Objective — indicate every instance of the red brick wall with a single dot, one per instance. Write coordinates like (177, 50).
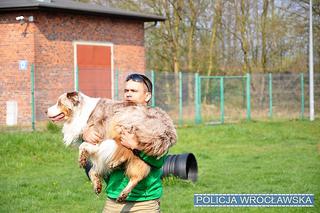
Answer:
(49, 44)
(15, 84)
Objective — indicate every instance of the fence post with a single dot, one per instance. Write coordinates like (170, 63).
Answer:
(180, 99)
(197, 98)
(270, 95)
(76, 79)
(116, 85)
(32, 98)
(248, 98)
(302, 94)
(221, 100)
(153, 97)
(244, 92)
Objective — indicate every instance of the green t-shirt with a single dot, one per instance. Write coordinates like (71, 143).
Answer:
(149, 188)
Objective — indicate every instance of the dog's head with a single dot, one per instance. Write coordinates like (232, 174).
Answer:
(64, 108)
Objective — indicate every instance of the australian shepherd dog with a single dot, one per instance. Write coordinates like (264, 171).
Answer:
(152, 127)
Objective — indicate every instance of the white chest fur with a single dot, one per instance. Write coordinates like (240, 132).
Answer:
(72, 131)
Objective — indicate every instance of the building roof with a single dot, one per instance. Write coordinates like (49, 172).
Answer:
(74, 7)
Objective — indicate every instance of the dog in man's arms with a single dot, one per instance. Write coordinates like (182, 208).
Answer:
(152, 127)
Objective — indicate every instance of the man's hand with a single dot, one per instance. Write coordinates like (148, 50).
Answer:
(129, 140)
(91, 136)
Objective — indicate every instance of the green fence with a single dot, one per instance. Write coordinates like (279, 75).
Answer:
(191, 98)
(213, 88)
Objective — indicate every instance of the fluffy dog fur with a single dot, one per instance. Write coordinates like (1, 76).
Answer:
(152, 127)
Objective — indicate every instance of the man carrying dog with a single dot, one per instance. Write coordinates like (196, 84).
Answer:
(145, 197)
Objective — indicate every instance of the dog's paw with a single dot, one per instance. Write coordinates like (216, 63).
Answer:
(122, 197)
(83, 159)
(113, 165)
(97, 187)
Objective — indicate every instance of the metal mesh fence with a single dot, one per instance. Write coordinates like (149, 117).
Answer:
(187, 112)
(168, 99)
(190, 98)
(219, 99)
(187, 97)
(259, 96)
(286, 95)
(223, 99)
(277, 95)
(210, 100)
(235, 99)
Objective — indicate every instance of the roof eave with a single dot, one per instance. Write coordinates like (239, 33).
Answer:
(133, 16)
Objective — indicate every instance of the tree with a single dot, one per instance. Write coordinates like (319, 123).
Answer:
(228, 37)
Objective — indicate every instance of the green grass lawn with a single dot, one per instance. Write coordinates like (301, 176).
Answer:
(39, 174)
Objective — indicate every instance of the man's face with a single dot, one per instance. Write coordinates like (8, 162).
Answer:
(136, 92)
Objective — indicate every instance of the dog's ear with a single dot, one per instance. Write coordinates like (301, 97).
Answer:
(74, 97)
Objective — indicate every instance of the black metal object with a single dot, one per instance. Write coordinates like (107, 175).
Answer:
(87, 168)
(183, 166)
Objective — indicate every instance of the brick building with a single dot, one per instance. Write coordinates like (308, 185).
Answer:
(66, 45)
